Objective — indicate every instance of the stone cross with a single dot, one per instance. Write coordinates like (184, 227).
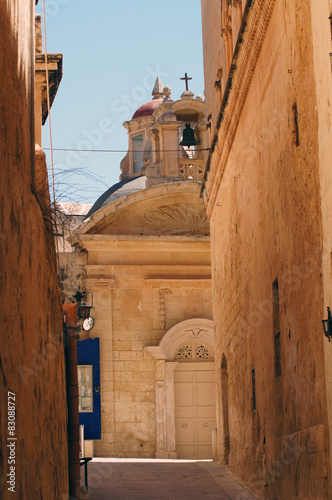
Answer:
(186, 78)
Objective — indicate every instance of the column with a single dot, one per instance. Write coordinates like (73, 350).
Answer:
(170, 410)
(161, 427)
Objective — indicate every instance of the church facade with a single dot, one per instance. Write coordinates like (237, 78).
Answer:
(147, 250)
(266, 190)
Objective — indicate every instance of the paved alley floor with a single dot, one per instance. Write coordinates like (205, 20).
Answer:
(148, 479)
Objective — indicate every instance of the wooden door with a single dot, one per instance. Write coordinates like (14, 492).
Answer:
(194, 393)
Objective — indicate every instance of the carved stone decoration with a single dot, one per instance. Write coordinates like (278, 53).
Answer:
(162, 308)
(194, 171)
(178, 220)
(196, 332)
(95, 283)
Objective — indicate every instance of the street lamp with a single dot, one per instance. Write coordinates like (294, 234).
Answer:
(327, 325)
(84, 309)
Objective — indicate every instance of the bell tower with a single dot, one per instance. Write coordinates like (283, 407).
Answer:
(167, 139)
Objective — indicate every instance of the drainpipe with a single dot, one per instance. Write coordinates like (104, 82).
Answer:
(70, 311)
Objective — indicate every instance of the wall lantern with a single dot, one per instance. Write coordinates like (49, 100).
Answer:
(83, 308)
(327, 325)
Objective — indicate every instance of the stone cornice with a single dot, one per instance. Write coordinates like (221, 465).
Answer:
(178, 283)
(136, 243)
(54, 65)
(152, 271)
(251, 37)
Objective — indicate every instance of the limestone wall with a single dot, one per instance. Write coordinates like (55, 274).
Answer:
(263, 198)
(32, 360)
(130, 315)
(322, 46)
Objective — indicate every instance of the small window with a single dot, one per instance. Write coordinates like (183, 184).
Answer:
(137, 145)
(85, 395)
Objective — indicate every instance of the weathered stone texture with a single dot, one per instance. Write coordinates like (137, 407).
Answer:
(263, 198)
(32, 360)
(72, 274)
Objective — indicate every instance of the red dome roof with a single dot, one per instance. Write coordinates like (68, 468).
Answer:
(148, 108)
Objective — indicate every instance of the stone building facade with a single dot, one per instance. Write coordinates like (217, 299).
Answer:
(31, 361)
(266, 191)
(148, 266)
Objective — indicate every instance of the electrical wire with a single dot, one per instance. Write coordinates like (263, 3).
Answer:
(122, 150)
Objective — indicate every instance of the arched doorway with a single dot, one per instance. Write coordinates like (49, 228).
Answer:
(185, 390)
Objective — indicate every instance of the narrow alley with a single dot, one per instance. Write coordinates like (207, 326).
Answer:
(149, 479)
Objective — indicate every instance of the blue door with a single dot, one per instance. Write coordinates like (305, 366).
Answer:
(88, 356)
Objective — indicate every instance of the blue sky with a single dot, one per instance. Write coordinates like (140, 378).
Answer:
(112, 52)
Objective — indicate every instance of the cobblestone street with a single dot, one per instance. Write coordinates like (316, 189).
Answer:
(145, 479)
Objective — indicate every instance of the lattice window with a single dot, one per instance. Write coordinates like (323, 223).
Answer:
(201, 352)
(185, 352)
(193, 351)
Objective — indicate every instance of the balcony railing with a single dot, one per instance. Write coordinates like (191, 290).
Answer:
(191, 169)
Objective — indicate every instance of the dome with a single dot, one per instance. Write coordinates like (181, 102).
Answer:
(122, 188)
(148, 108)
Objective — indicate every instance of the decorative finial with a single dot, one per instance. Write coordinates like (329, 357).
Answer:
(186, 78)
(167, 91)
(157, 89)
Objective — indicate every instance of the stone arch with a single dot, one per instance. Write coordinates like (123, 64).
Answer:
(196, 328)
(189, 329)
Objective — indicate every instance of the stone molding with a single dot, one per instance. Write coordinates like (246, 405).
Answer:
(97, 283)
(201, 283)
(246, 55)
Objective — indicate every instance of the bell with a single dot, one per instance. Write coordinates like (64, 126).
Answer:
(188, 137)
